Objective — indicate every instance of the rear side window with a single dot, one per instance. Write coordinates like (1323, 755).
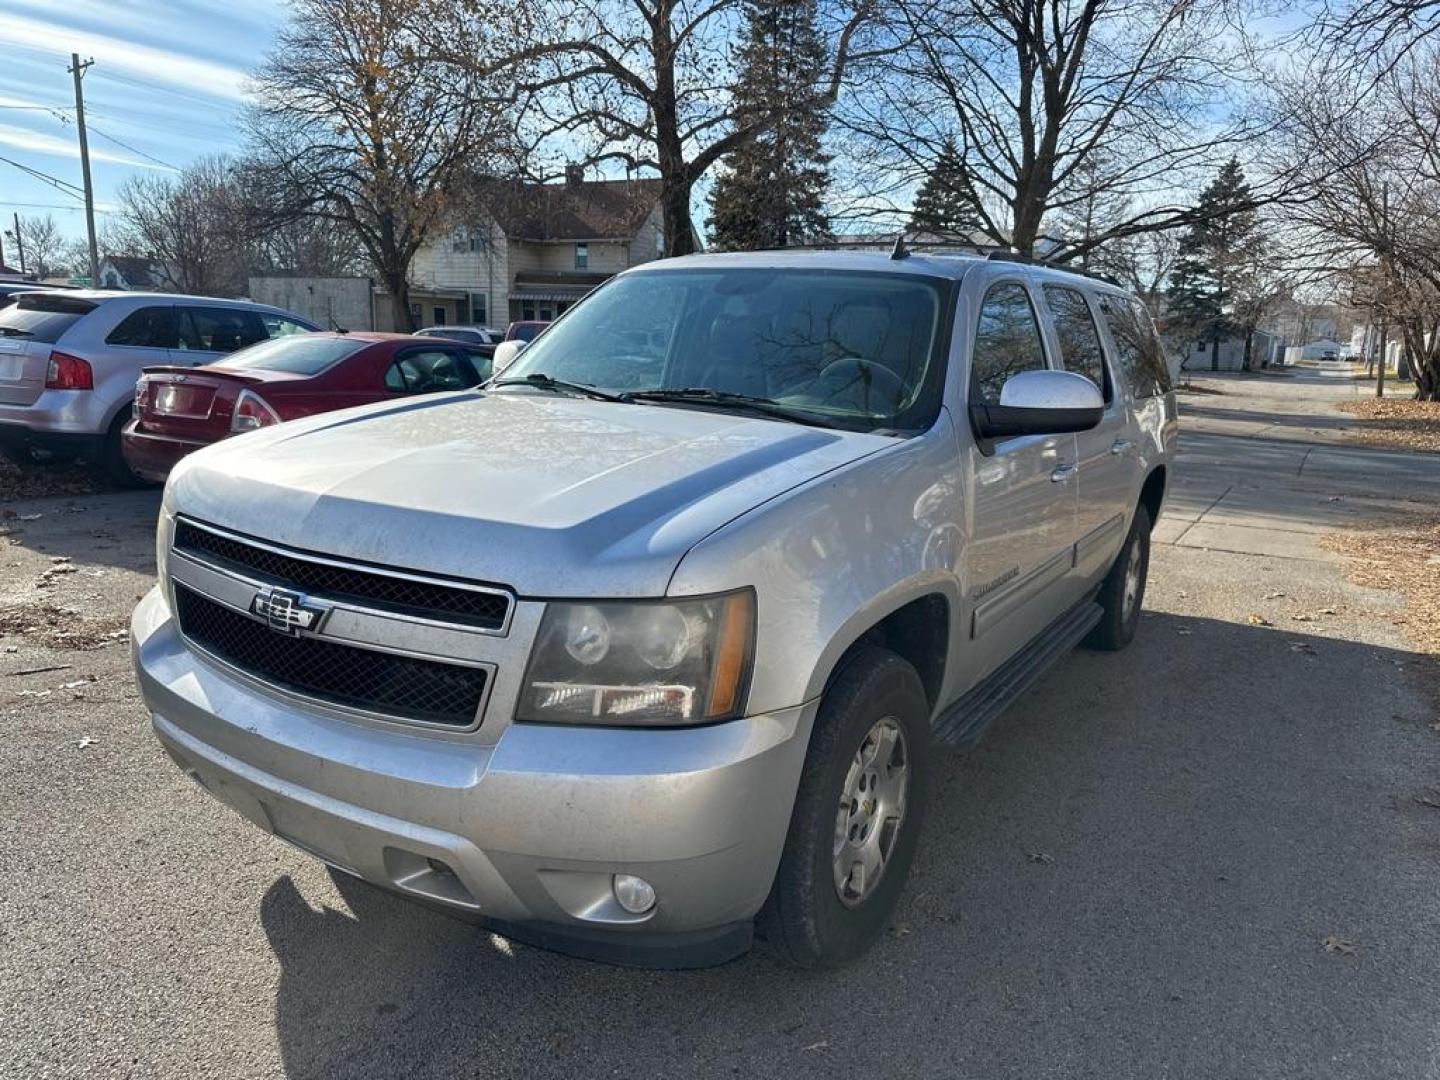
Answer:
(1080, 348)
(150, 327)
(297, 354)
(27, 319)
(1007, 341)
(428, 371)
(1141, 358)
(220, 330)
(279, 326)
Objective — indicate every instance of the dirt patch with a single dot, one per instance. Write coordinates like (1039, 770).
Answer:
(60, 627)
(43, 479)
(1396, 423)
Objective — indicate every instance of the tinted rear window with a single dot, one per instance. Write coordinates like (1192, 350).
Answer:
(298, 354)
(35, 325)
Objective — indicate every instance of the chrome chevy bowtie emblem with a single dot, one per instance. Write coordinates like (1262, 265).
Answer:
(288, 612)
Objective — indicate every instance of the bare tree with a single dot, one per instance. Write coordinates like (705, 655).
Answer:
(1371, 149)
(43, 244)
(644, 83)
(1056, 106)
(186, 226)
(356, 122)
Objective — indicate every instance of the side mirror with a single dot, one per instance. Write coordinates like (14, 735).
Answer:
(505, 354)
(1040, 403)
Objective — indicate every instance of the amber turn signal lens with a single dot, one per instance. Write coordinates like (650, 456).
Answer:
(732, 654)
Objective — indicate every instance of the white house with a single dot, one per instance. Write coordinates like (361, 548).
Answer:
(529, 251)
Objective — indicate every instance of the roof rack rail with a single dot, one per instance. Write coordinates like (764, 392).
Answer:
(1011, 255)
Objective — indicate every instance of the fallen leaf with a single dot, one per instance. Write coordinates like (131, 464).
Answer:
(1302, 647)
(33, 693)
(1273, 596)
(1334, 943)
(821, 1045)
(899, 930)
(1258, 620)
(1039, 857)
(73, 685)
(1302, 618)
(59, 558)
(86, 741)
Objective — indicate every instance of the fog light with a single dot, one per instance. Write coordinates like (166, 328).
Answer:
(636, 895)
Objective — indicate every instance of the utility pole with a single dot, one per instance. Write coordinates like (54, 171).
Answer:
(77, 69)
(19, 244)
(1384, 284)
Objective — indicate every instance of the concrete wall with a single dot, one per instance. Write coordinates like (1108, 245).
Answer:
(325, 301)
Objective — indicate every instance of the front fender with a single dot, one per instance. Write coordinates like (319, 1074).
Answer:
(830, 559)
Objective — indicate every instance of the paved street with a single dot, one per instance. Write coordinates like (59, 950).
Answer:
(1133, 876)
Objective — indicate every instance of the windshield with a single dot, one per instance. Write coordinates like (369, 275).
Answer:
(855, 348)
(298, 354)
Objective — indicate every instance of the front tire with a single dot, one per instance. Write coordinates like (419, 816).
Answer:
(857, 816)
(1123, 591)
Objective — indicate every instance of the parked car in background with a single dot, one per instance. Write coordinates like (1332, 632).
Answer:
(180, 409)
(476, 335)
(525, 331)
(666, 628)
(69, 360)
(9, 290)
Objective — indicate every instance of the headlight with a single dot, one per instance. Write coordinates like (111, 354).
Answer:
(648, 663)
(163, 527)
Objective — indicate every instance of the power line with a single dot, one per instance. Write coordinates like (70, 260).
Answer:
(52, 206)
(127, 146)
(172, 91)
(54, 181)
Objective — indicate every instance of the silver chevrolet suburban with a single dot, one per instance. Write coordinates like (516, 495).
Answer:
(659, 634)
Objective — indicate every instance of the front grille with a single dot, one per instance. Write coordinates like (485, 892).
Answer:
(399, 686)
(372, 588)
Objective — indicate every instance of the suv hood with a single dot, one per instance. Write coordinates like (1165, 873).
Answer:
(548, 495)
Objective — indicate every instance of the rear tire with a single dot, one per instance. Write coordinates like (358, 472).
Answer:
(857, 816)
(1123, 592)
(112, 466)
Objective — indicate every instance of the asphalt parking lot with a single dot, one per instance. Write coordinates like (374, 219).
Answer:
(1212, 855)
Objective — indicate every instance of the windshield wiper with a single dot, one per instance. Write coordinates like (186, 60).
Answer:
(15, 331)
(704, 395)
(541, 381)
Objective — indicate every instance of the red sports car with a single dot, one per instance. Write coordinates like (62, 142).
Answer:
(180, 409)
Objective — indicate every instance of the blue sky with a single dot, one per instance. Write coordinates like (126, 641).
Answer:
(166, 88)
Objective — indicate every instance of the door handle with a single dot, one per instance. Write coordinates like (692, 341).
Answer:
(1122, 446)
(1061, 473)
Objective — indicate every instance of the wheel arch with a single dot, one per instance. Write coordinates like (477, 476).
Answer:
(1152, 493)
(916, 626)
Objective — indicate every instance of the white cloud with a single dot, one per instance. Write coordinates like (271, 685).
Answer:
(156, 65)
(37, 142)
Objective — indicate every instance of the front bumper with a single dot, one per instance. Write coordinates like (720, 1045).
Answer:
(524, 832)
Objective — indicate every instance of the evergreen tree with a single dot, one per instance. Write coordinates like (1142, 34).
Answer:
(1212, 255)
(946, 202)
(771, 192)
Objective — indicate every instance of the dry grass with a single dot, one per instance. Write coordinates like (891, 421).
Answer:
(1396, 423)
(1403, 558)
